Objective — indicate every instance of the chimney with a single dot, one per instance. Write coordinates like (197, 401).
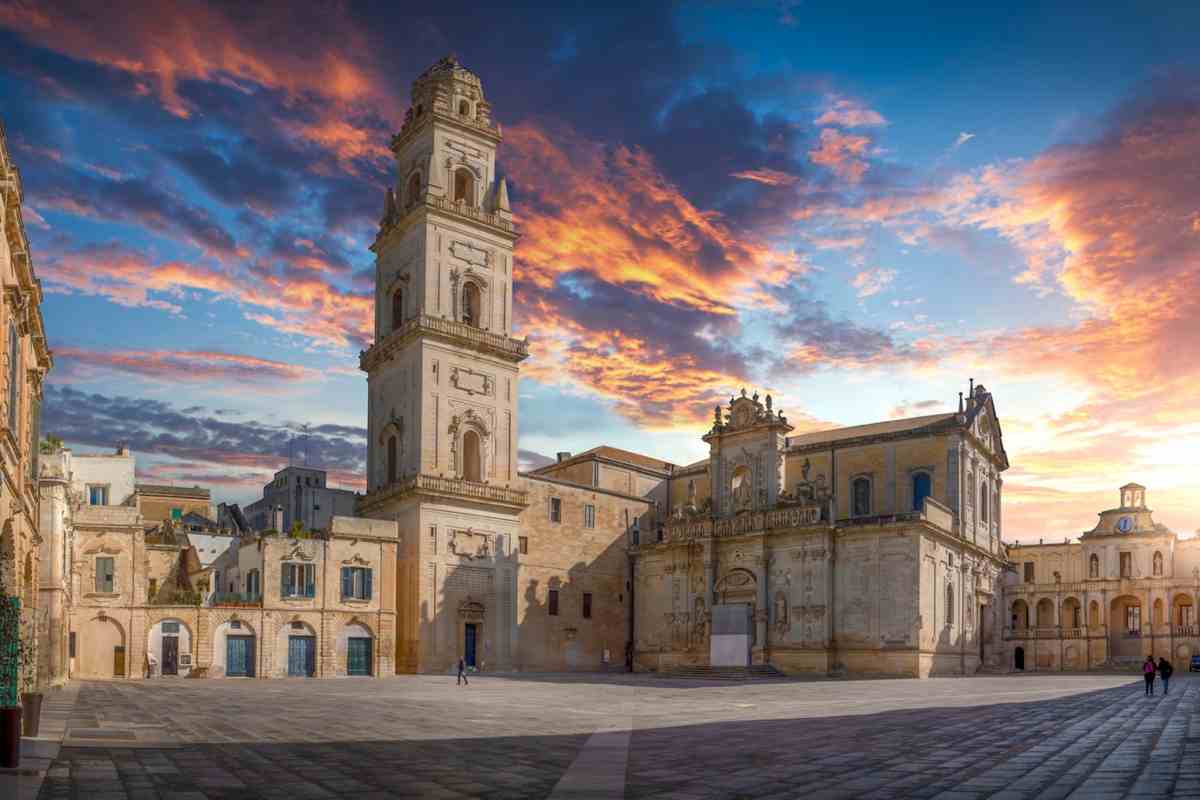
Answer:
(563, 455)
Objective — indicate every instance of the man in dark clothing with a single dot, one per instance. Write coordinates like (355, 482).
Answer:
(462, 674)
(1164, 671)
(1148, 671)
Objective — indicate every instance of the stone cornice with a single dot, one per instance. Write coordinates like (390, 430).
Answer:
(438, 487)
(493, 222)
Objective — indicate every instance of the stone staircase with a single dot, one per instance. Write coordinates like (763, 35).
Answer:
(754, 672)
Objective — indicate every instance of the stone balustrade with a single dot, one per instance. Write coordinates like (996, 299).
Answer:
(455, 332)
(450, 488)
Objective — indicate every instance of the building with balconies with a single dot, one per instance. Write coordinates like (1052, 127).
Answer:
(1126, 589)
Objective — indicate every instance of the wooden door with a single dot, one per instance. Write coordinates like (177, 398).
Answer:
(358, 656)
(119, 661)
(170, 655)
(302, 652)
(239, 656)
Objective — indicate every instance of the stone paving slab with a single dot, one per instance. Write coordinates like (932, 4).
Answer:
(1038, 736)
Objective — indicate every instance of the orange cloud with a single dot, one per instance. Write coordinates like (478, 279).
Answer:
(308, 307)
(186, 366)
(768, 177)
(850, 114)
(842, 154)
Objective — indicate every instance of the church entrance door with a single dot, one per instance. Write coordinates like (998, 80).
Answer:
(469, 644)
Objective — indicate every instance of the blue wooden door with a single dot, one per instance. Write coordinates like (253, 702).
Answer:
(469, 649)
(358, 656)
(302, 656)
(239, 656)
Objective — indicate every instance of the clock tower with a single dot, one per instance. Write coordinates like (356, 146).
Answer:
(442, 372)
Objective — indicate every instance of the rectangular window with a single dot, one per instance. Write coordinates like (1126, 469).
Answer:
(154, 590)
(71, 644)
(587, 605)
(1029, 572)
(170, 627)
(433, 539)
(356, 583)
(589, 516)
(104, 574)
(553, 602)
(97, 495)
(555, 509)
(1126, 565)
(298, 580)
(523, 544)
(1133, 619)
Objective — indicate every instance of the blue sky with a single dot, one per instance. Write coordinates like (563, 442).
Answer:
(856, 209)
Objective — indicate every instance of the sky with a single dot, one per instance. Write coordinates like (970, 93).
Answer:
(854, 209)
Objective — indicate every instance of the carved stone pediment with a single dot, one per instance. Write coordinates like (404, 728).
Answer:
(471, 610)
(296, 554)
(356, 561)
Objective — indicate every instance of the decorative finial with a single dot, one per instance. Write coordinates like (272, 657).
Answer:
(768, 403)
(743, 391)
(717, 416)
(755, 397)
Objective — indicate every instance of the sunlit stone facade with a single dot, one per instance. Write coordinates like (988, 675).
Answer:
(1126, 589)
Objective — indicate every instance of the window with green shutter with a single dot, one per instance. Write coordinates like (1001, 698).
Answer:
(356, 583)
(105, 573)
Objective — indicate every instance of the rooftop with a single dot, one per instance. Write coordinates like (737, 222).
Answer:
(892, 426)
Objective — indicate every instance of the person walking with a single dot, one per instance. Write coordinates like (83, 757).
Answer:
(1164, 671)
(462, 674)
(1148, 671)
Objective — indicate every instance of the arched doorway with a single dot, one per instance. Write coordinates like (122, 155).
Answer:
(1020, 615)
(169, 647)
(358, 644)
(102, 649)
(235, 651)
(1125, 627)
(471, 616)
(296, 650)
(1019, 659)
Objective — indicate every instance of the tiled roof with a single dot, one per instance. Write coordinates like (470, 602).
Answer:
(892, 426)
(612, 454)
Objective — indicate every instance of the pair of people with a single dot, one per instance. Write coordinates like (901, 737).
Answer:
(1162, 669)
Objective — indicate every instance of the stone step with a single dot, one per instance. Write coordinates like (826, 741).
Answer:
(700, 671)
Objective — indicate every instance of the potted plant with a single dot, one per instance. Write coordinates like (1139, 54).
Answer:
(10, 667)
(31, 698)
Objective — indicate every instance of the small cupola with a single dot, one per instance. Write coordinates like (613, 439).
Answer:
(1133, 495)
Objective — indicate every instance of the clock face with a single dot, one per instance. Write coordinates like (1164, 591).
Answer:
(1125, 524)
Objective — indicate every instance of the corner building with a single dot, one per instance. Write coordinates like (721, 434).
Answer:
(873, 549)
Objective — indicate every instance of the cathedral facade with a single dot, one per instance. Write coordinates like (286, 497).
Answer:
(873, 549)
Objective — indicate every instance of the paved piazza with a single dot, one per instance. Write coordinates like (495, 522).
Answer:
(1053, 736)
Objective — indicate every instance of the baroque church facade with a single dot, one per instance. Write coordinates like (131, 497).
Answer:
(871, 549)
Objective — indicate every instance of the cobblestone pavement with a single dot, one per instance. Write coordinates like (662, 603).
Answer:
(1051, 736)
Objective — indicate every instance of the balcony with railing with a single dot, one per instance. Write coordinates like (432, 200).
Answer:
(450, 330)
(450, 488)
(235, 599)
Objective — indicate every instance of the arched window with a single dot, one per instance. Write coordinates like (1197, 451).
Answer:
(1158, 563)
(860, 493)
(391, 460)
(471, 457)
(464, 187)
(1094, 614)
(949, 603)
(471, 304)
(412, 195)
(1094, 566)
(983, 501)
(922, 487)
(397, 308)
(464, 108)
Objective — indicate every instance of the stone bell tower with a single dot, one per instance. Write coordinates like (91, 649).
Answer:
(442, 372)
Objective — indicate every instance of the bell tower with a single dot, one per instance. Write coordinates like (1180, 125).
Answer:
(442, 372)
